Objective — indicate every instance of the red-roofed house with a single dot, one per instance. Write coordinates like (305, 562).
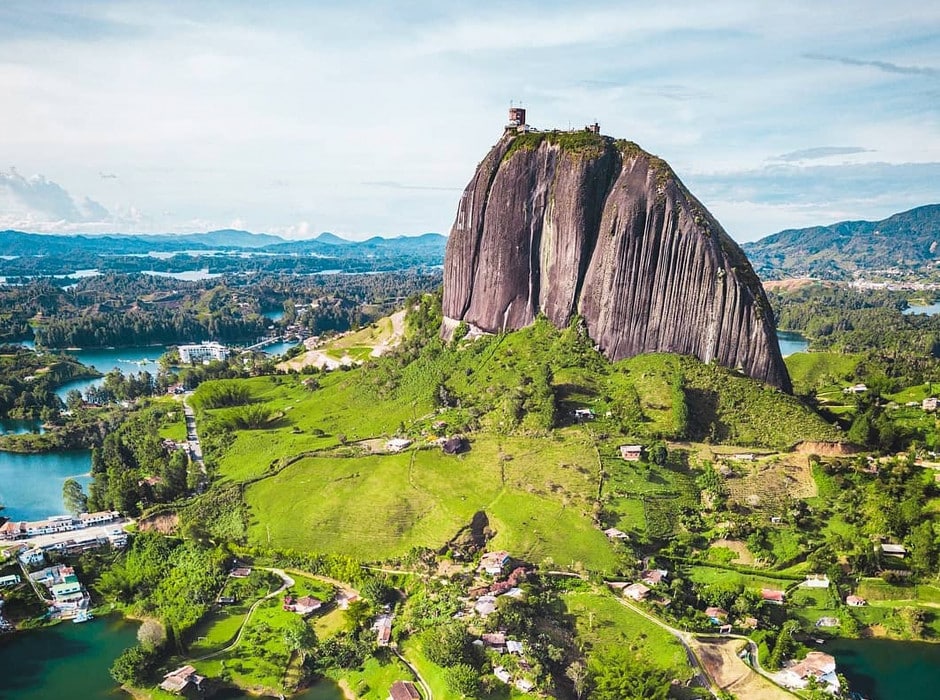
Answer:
(772, 596)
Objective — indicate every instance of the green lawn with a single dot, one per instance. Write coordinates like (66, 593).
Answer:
(604, 623)
(709, 575)
(373, 680)
(380, 506)
(434, 675)
(821, 371)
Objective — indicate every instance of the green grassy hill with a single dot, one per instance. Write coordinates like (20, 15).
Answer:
(313, 473)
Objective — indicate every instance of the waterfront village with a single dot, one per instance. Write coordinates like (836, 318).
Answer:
(25, 547)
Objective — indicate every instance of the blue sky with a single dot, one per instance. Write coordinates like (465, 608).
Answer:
(301, 117)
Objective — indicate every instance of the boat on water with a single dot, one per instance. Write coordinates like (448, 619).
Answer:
(83, 616)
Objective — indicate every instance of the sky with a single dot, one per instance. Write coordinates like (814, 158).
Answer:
(369, 118)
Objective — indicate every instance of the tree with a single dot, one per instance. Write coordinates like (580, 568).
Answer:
(658, 453)
(578, 674)
(299, 637)
(447, 645)
(618, 675)
(463, 680)
(74, 498)
(133, 666)
(923, 548)
(151, 634)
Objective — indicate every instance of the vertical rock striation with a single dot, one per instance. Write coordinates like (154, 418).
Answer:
(578, 223)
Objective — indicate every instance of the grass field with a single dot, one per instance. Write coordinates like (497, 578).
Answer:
(812, 372)
(710, 575)
(604, 623)
(380, 506)
(434, 675)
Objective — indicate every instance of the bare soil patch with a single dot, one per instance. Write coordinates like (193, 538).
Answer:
(726, 668)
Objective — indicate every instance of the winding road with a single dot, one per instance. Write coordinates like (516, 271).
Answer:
(287, 583)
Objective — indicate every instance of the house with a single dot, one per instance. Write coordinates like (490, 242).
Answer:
(816, 665)
(827, 622)
(816, 581)
(855, 601)
(403, 690)
(514, 647)
(716, 615)
(454, 445)
(69, 592)
(631, 453)
(397, 444)
(653, 577)
(181, 679)
(99, 518)
(929, 404)
(582, 414)
(240, 572)
(344, 598)
(383, 630)
(306, 605)
(493, 563)
(750, 623)
(772, 596)
(615, 534)
(855, 389)
(494, 640)
(227, 600)
(11, 530)
(894, 550)
(502, 674)
(32, 557)
(744, 457)
(10, 580)
(525, 685)
(636, 591)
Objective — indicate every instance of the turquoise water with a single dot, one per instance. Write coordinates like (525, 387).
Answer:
(791, 343)
(882, 669)
(128, 360)
(19, 426)
(65, 661)
(929, 310)
(31, 484)
(72, 661)
(279, 348)
(276, 315)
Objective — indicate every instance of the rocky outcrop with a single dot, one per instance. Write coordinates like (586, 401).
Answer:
(578, 223)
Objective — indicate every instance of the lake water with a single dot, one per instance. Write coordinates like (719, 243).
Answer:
(64, 661)
(19, 426)
(128, 360)
(791, 343)
(72, 661)
(929, 310)
(882, 669)
(279, 348)
(187, 276)
(275, 315)
(31, 484)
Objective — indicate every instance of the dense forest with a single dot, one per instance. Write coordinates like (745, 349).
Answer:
(28, 381)
(122, 309)
(905, 346)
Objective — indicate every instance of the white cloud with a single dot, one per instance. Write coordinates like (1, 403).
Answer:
(201, 107)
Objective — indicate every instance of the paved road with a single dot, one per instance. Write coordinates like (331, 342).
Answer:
(193, 437)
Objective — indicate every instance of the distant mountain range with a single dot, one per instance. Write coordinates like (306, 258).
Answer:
(18, 243)
(909, 241)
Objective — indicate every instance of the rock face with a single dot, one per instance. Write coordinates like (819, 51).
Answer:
(578, 223)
